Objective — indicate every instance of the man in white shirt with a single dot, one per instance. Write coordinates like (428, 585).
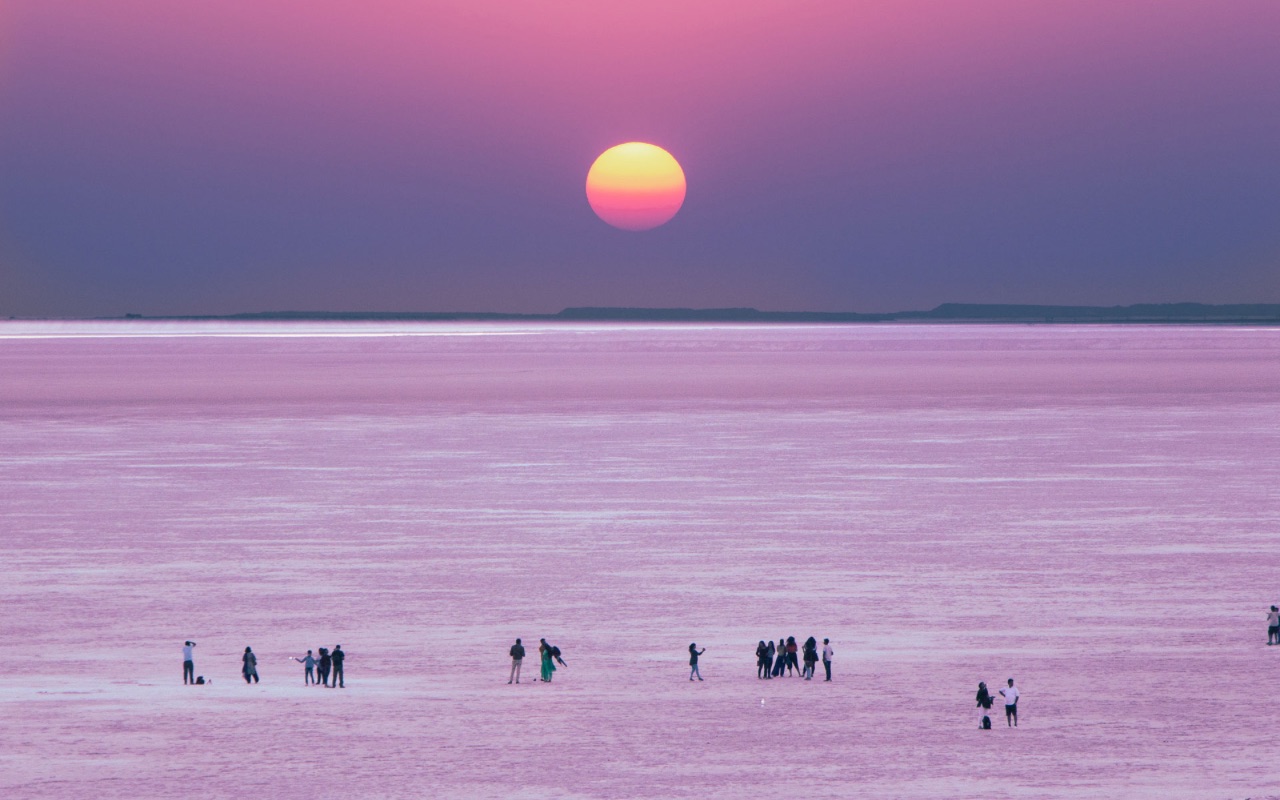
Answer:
(827, 653)
(188, 664)
(1010, 704)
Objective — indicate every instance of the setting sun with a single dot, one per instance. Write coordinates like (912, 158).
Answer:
(635, 186)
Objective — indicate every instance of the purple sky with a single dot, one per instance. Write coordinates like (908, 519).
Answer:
(214, 157)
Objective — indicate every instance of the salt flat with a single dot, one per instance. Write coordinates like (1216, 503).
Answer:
(1091, 510)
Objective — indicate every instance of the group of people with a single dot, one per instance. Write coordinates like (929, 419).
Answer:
(548, 655)
(774, 661)
(986, 700)
(319, 671)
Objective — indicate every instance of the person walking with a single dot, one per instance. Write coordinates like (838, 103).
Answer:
(188, 664)
(326, 663)
(1273, 626)
(810, 657)
(517, 656)
(308, 661)
(1011, 695)
(827, 653)
(762, 660)
(548, 666)
(337, 657)
(985, 702)
(780, 663)
(250, 666)
(694, 652)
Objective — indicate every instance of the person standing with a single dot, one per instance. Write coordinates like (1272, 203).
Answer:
(694, 652)
(309, 661)
(250, 666)
(548, 666)
(984, 706)
(769, 652)
(188, 664)
(1273, 626)
(780, 663)
(793, 657)
(827, 653)
(810, 657)
(337, 657)
(517, 656)
(1011, 695)
(762, 660)
(325, 664)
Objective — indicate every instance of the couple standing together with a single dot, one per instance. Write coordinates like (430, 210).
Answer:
(986, 700)
(549, 654)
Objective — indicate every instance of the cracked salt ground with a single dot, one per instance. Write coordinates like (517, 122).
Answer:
(1091, 510)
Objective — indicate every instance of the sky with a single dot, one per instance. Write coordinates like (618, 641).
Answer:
(220, 156)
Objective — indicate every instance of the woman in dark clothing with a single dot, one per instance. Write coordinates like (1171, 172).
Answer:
(780, 665)
(984, 707)
(768, 660)
(793, 656)
(326, 663)
(762, 660)
(810, 657)
(694, 652)
(250, 668)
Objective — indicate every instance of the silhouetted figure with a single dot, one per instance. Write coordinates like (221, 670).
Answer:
(985, 702)
(250, 668)
(793, 656)
(827, 653)
(1011, 695)
(188, 664)
(763, 660)
(548, 666)
(694, 652)
(337, 657)
(810, 657)
(517, 656)
(780, 663)
(308, 661)
(326, 663)
(1273, 626)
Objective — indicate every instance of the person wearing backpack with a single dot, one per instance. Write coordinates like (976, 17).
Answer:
(517, 656)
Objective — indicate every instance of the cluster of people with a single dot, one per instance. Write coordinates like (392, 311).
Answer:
(548, 655)
(319, 671)
(986, 700)
(774, 661)
(326, 670)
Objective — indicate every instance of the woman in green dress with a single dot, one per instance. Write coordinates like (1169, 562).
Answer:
(548, 666)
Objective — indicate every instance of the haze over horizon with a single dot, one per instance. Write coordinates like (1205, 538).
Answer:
(162, 158)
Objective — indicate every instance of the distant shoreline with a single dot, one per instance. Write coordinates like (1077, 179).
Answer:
(951, 313)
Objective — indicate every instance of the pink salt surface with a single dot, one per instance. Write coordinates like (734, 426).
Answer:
(1091, 510)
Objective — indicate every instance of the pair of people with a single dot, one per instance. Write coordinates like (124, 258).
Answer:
(986, 700)
(318, 670)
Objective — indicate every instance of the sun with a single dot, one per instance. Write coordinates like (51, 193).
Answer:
(635, 186)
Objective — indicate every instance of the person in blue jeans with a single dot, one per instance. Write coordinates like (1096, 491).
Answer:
(694, 652)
